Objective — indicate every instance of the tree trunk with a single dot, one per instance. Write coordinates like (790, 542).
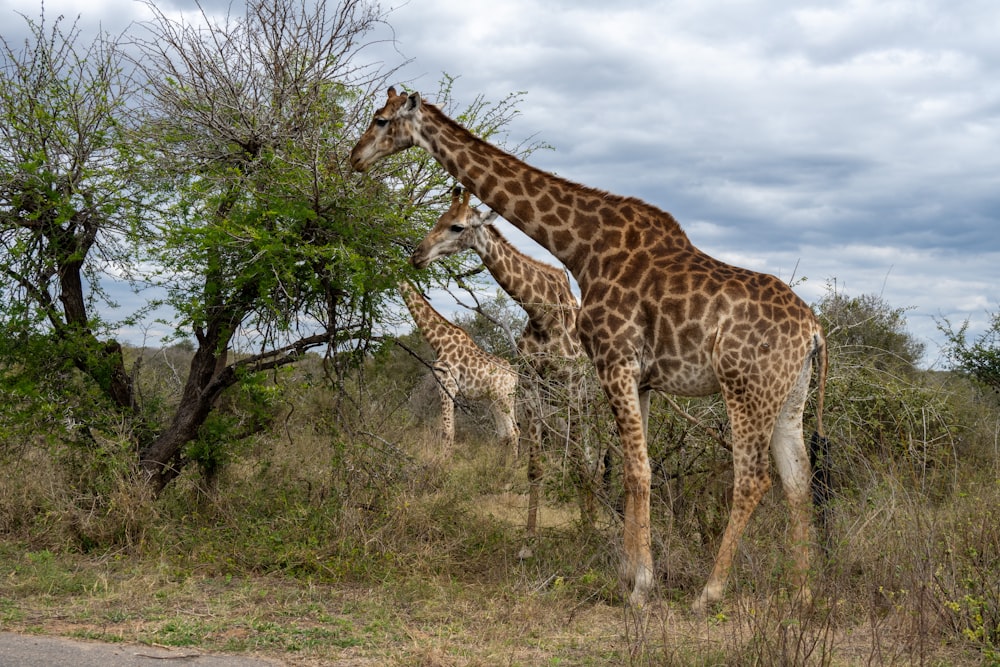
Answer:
(101, 361)
(162, 460)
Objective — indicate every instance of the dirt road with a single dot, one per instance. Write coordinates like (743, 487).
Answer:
(18, 650)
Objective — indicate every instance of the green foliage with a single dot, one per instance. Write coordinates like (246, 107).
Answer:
(964, 579)
(878, 407)
(261, 229)
(246, 409)
(46, 399)
(69, 176)
(912, 422)
(227, 188)
(69, 183)
(868, 328)
(979, 358)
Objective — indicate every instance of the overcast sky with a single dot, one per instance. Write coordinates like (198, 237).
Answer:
(852, 143)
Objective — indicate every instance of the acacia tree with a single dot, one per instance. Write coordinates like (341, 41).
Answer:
(70, 209)
(268, 248)
(271, 245)
(867, 328)
(220, 180)
(979, 358)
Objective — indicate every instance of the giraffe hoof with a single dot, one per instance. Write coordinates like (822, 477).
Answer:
(699, 607)
(637, 599)
(704, 602)
(642, 585)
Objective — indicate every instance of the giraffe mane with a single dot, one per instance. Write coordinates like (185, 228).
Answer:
(668, 221)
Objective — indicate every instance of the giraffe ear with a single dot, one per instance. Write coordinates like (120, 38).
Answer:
(412, 102)
(488, 217)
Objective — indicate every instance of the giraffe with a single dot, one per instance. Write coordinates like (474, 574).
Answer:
(656, 313)
(549, 343)
(462, 368)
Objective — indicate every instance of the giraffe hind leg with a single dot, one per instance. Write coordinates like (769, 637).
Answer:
(750, 482)
(792, 461)
(447, 390)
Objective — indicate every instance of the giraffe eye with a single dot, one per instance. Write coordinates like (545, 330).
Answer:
(381, 122)
(457, 229)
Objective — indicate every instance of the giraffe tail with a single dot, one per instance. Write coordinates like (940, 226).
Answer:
(819, 449)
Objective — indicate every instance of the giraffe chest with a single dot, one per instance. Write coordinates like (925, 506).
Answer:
(559, 342)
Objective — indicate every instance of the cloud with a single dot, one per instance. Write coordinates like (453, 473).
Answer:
(855, 140)
(852, 142)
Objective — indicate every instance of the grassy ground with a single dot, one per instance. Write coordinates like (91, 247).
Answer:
(425, 621)
(436, 620)
(450, 596)
(362, 543)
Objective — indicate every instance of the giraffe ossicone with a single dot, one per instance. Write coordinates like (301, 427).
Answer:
(656, 313)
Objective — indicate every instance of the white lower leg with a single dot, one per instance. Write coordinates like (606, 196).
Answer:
(642, 584)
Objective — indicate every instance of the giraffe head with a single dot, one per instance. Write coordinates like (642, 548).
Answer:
(393, 129)
(454, 231)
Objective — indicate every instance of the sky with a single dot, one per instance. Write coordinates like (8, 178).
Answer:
(852, 145)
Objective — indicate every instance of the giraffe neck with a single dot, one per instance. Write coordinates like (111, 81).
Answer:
(433, 326)
(535, 286)
(562, 216)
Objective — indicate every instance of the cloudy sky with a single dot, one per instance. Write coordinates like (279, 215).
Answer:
(854, 144)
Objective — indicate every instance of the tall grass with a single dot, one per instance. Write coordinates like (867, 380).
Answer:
(349, 488)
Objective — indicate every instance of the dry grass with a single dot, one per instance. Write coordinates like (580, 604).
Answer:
(352, 539)
(439, 621)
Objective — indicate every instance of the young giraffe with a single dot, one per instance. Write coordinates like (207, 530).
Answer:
(549, 342)
(462, 368)
(657, 313)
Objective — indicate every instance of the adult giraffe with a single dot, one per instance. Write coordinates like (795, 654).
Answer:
(549, 344)
(656, 313)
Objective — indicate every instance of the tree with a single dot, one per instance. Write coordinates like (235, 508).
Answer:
(268, 249)
(866, 327)
(70, 207)
(221, 180)
(879, 408)
(979, 358)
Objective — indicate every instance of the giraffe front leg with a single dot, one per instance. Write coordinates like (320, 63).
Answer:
(448, 390)
(534, 476)
(638, 554)
(629, 408)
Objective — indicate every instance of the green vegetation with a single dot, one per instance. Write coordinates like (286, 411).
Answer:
(338, 530)
(268, 481)
(204, 167)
